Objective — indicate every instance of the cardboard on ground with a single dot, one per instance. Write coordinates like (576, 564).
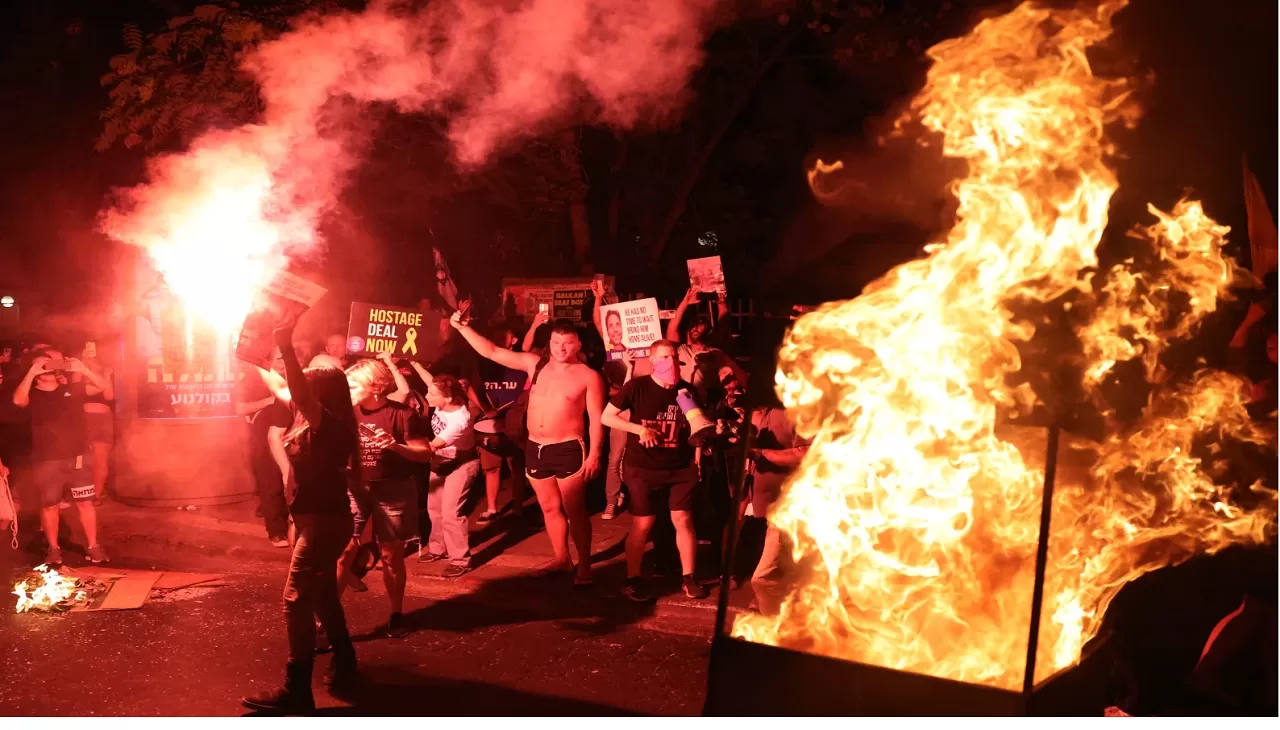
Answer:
(129, 589)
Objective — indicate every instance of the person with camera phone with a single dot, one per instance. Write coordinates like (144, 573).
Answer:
(60, 457)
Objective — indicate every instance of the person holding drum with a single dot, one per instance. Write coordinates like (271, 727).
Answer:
(501, 433)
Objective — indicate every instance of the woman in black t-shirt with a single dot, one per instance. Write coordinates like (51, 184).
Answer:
(659, 467)
(321, 446)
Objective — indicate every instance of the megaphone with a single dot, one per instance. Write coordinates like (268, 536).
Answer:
(701, 427)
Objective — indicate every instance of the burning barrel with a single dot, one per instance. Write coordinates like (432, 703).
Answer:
(940, 568)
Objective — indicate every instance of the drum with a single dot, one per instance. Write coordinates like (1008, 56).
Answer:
(490, 435)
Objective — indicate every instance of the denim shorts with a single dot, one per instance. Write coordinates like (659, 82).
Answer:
(393, 508)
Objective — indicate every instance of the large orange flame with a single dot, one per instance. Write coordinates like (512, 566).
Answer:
(915, 514)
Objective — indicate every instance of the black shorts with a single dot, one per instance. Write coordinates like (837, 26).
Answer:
(652, 489)
(99, 428)
(562, 460)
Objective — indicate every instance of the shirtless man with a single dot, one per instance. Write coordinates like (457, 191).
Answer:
(557, 461)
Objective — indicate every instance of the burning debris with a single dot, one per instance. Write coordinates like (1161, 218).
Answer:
(105, 589)
(915, 514)
(48, 590)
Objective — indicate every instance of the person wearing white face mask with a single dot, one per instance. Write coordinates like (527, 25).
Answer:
(659, 466)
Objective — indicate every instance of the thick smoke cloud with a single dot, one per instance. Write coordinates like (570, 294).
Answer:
(498, 71)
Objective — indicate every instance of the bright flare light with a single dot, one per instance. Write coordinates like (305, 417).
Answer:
(218, 226)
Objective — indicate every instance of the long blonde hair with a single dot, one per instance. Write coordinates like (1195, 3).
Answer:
(372, 374)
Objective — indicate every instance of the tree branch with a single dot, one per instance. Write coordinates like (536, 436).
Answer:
(681, 199)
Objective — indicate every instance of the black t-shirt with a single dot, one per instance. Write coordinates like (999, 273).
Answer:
(403, 425)
(655, 406)
(277, 414)
(57, 422)
(318, 458)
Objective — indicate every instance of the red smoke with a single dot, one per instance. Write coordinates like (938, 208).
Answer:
(499, 71)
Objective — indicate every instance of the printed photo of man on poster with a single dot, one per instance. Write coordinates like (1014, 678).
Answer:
(631, 327)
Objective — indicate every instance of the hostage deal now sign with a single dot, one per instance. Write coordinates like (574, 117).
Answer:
(405, 333)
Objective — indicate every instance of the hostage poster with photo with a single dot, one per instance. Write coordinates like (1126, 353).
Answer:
(185, 368)
(707, 275)
(630, 327)
(405, 333)
(281, 304)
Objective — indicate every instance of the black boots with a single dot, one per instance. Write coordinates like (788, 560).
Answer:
(342, 673)
(294, 698)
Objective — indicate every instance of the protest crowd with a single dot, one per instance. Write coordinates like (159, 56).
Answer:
(367, 462)
(380, 447)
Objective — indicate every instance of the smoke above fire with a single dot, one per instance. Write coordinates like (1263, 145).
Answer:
(239, 203)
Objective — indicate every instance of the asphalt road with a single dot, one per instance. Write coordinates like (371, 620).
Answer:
(518, 646)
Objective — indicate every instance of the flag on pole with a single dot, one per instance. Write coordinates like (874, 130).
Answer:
(1262, 227)
(444, 282)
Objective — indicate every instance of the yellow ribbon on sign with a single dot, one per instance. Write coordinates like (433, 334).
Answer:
(410, 341)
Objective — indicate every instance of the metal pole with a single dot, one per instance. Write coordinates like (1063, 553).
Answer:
(731, 549)
(1042, 558)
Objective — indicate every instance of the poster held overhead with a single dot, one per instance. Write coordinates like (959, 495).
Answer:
(566, 298)
(281, 303)
(706, 275)
(404, 333)
(630, 327)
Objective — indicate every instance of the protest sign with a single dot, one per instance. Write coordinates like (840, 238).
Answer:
(706, 274)
(281, 303)
(566, 298)
(185, 366)
(630, 326)
(405, 333)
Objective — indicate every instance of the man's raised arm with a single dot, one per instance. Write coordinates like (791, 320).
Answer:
(489, 351)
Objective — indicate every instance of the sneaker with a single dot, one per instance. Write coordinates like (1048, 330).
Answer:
(426, 556)
(694, 589)
(636, 591)
(54, 556)
(455, 571)
(610, 511)
(97, 554)
(280, 542)
(356, 584)
(395, 628)
(487, 516)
